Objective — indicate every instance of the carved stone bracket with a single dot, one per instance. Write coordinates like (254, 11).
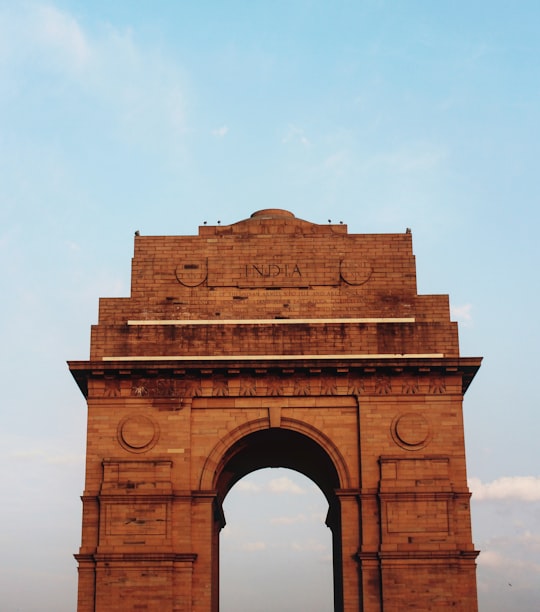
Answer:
(266, 382)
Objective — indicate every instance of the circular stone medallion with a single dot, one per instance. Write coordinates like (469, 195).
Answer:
(355, 272)
(137, 433)
(192, 272)
(411, 430)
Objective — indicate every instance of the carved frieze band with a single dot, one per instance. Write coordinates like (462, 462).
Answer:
(273, 272)
(217, 385)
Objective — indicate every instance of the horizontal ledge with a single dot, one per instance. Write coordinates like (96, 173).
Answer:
(391, 557)
(269, 357)
(138, 557)
(269, 321)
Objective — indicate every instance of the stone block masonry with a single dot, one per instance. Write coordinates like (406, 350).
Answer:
(275, 342)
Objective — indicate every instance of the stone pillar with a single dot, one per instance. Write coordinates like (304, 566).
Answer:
(350, 535)
(205, 594)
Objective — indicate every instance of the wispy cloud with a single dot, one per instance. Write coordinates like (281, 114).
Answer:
(496, 560)
(316, 518)
(60, 32)
(288, 520)
(248, 486)
(462, 314)
(309, 546)
(47, 457)
(491, 558)
(220, 132)
(295, 134)
(337, 164)
(523, 488)
(284, 485)
(276, 485)
(144, 92)
(506, 528)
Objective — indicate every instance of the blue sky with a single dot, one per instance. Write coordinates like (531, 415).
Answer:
(125, 116)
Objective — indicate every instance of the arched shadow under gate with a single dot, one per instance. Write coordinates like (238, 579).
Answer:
(278, 447)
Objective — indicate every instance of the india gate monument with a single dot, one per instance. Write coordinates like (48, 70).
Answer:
(275, 342)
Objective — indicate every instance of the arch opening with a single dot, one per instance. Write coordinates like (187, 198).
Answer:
(282, 448)
(276, 551)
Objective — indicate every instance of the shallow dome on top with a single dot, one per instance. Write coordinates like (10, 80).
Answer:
(272, 213)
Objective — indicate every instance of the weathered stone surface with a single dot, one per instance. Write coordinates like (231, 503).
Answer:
(275, 342)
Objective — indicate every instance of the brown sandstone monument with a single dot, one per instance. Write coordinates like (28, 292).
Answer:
(275, 342)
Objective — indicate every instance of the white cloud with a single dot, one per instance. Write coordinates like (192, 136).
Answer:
(505, 528)
(289, 520)
(309, 546)
(276, 485)
(248, 486)
(284, 485)
(337, 164)
(496, 560)
(220, 132)
(462, 313)
(295, 134)
(48, 457)
(143, 91)
(72, 245)
(523, 488)
(61, 32)
(493, 559)
(227, 531)
(43, 36)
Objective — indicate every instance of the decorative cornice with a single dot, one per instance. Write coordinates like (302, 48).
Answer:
(168, 379)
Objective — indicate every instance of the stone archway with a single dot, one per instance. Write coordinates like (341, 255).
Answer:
(275, 341)
(289, 449)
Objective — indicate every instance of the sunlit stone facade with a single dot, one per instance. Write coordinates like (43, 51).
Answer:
(275, 342)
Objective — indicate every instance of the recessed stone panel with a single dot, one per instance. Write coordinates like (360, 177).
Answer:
(135, 519)
(421, 516)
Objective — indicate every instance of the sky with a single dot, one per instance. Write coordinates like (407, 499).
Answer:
(130, 115)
